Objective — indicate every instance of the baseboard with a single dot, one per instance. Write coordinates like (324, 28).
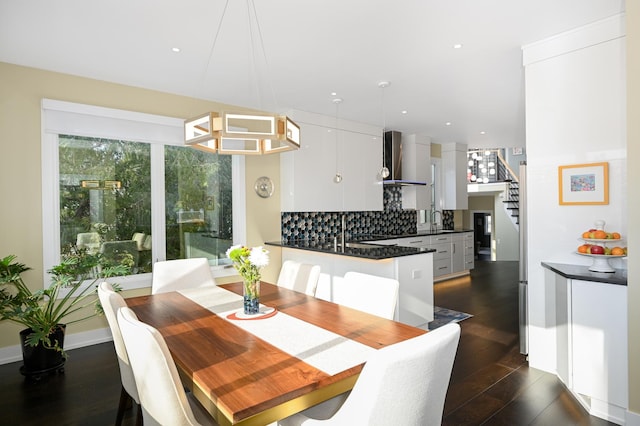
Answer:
(71, 341)
(451, 276)
(633, 419)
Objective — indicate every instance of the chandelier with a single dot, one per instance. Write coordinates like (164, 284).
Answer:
(228, 132)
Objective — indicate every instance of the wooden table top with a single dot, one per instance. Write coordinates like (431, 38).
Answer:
(240, 378)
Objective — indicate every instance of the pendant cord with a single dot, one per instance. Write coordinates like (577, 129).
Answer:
(264, 54)
(338, 176)
(384, 171)
(213, 45)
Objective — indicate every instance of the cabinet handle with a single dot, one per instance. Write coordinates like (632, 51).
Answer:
(453, 246)
(415, 242)
(443, 267)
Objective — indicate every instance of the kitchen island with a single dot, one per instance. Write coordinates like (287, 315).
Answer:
(411, 266)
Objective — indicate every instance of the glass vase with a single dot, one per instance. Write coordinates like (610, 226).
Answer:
(251, 295)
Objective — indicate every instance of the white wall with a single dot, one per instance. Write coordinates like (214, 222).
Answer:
(575, 112)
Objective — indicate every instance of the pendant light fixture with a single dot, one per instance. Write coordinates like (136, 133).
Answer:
(384, 171)
(242, 133)
(338, 176)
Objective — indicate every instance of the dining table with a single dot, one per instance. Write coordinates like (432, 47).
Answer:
(256, 369)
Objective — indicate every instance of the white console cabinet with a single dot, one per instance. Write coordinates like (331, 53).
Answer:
(591, 342)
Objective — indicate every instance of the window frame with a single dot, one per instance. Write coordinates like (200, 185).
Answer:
(61, 117)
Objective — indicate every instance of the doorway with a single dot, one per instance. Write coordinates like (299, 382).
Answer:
(482, 226)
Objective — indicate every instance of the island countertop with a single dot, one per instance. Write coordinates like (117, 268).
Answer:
(365, 251)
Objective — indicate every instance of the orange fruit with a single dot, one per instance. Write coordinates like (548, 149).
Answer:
(617, 251)
(599, 235)
(586, 234)
(615, 235)
(583, 248)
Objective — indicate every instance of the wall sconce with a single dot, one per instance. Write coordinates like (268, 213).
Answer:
(244, 134)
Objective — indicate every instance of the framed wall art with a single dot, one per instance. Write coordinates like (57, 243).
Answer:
(584, 184)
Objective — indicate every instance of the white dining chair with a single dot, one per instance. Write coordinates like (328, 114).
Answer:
(402, 384)
(111, 302)
(163, 399)
(298, 276)
(369, 293)
(179, 274)
(89, 241)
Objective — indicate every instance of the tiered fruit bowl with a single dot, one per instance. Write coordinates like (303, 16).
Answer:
(596, 245)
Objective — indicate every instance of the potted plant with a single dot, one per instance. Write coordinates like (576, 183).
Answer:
(45, 312)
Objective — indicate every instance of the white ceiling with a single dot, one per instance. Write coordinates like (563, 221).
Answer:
(311, 49)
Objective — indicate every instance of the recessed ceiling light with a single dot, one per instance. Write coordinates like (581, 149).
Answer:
(448, 123)
(175, 49)
(457, 46)
(404, 111)
(483, 133)
(334, 93)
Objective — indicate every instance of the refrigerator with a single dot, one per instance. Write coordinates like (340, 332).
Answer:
(522, 273)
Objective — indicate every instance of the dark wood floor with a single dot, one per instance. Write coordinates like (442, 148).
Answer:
(491, 382)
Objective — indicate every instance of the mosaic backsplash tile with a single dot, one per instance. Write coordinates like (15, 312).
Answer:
(324, 226)
(327, 225)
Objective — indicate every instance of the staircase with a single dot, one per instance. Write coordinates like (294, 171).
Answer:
(502, 173)
(512, 201)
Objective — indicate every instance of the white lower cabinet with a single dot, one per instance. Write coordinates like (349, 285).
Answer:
(591, 338)
(454, 252)
(469, 251)
(457, 253)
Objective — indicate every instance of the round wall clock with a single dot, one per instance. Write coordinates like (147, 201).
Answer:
(264, 187)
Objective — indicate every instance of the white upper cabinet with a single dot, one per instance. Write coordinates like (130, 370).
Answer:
(307, 175)
(416, 166)
(454, 164)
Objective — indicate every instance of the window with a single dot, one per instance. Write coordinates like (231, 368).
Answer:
(122, 184)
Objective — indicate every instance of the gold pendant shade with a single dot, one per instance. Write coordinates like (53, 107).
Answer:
(243, 134)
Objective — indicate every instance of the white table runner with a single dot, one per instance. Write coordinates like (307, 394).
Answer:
(320, 348)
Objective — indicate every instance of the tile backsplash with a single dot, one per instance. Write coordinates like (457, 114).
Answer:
(327, 225)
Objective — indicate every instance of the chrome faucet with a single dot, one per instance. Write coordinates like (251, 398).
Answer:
(434, 226)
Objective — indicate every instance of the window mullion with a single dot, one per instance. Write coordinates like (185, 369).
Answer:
(158, 225)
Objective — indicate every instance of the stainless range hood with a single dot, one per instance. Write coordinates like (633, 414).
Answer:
(393, 158)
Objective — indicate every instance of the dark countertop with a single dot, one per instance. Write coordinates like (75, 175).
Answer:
(374, 237)
(582, 272)
(375, 252)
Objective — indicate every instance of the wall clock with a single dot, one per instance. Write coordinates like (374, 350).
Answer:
(264, 187)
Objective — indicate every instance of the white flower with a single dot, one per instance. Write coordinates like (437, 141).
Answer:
(232, 248)
(259, 257)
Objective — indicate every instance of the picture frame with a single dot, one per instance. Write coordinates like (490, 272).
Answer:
(583, 184)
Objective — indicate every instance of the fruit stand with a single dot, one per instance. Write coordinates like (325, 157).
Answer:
(597, 246)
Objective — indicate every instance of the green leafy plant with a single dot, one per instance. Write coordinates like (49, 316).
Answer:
(73, 289)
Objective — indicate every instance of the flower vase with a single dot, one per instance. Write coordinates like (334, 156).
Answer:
(251, 295)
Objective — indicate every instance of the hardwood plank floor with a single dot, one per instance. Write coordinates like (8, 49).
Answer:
(491, 383)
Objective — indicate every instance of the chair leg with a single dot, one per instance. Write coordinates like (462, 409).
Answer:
(122, 406)
(139, 420)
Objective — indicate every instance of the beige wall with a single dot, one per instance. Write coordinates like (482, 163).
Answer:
(633, 175)
(477, 202)
(21, 91)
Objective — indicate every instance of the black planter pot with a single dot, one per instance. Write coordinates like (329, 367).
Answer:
(38, 360)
